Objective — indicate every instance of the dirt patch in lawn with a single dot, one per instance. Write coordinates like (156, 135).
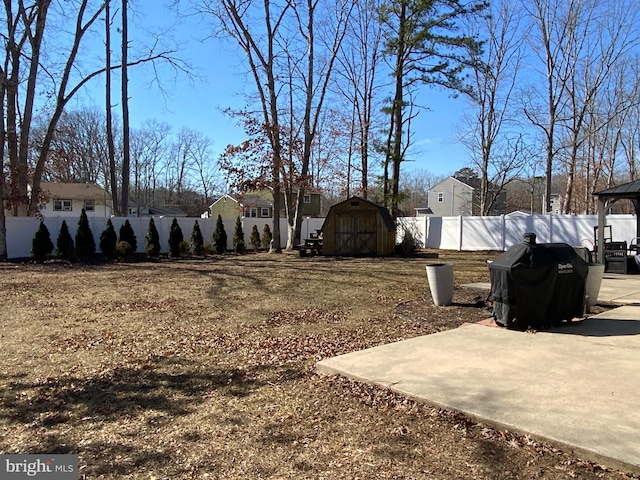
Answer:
(205, 369)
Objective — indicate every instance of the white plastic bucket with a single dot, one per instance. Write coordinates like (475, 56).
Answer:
(440, 278)
(594, 280)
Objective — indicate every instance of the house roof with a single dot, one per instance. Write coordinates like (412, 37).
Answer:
(448, 180)
(77, 191)
(250, 200)
(223, 198)
(167, 211)
(424, 210)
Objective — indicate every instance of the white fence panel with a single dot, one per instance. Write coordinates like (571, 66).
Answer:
(450, 238)
(482, 233)
(416, 226)
(573, 229)
(447, 233)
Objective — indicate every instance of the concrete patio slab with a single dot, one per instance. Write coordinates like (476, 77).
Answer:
(576, 385)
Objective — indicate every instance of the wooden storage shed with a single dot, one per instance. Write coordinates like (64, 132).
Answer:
(357, 227)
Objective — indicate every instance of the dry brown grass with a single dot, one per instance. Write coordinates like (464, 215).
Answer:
(205, 369)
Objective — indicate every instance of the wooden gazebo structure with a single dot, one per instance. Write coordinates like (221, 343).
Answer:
(628, 191)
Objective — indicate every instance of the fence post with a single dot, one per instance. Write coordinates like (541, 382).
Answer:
(504, 232)
(460, 233)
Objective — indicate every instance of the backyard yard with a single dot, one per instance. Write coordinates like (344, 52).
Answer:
(205, 368)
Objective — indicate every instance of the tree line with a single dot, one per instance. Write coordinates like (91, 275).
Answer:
(336, 87)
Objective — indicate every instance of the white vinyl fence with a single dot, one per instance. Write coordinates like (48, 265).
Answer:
(446, 233)
(499, 233)
(20, 230)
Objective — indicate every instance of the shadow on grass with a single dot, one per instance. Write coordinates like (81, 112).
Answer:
(56, 411)
(165, 386)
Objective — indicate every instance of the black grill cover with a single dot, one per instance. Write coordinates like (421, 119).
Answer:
(537, 285)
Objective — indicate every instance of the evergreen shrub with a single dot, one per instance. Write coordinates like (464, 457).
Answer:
(85, 244)
(238, 237)
(152, 240)
(41, 246)
(266, 236)
(64, 243)
(219, 238)
(175, 238)
(254, 238)
(128, 235)
(108, 240)
(196, 240)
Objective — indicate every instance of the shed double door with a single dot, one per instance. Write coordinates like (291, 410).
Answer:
(356, 233)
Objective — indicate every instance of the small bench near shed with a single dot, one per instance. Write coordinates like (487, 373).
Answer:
(311, 246)
(615, 257)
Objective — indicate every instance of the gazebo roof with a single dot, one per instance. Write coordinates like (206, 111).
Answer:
(626, 190)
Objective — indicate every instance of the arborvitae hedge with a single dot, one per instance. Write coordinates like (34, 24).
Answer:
(64, 243)
(108, 240)
(254, 238)
(152, 240)
(238, 237)
(41, 246)
(175, 238)
(219, 237)
(266, 236)
(196, 240)
(85, 244)
(128, 235)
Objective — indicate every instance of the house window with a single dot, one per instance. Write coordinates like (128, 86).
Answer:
(62, 205)
(264, 212)
(251, 212)
(440, 197)
(89, 205)
(306, 198)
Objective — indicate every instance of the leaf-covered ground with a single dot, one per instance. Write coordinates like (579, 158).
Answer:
(205, 369)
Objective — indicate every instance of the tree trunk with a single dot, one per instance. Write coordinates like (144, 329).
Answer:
(110, 144)
(124, 210)
(397, 112)
(25, 127)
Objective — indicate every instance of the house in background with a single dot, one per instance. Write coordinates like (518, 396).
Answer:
(259, 204)
(461, 196)
(556, 201)
(68, 200)
(226, 206)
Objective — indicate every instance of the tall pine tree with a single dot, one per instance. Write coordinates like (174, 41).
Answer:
(423, 45)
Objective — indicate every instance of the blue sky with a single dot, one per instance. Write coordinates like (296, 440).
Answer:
(221, 81)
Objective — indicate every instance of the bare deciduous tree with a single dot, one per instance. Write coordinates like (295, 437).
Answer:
(493, 135)
(290, 50)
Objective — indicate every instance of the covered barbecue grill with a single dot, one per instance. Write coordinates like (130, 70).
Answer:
(537, 284)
